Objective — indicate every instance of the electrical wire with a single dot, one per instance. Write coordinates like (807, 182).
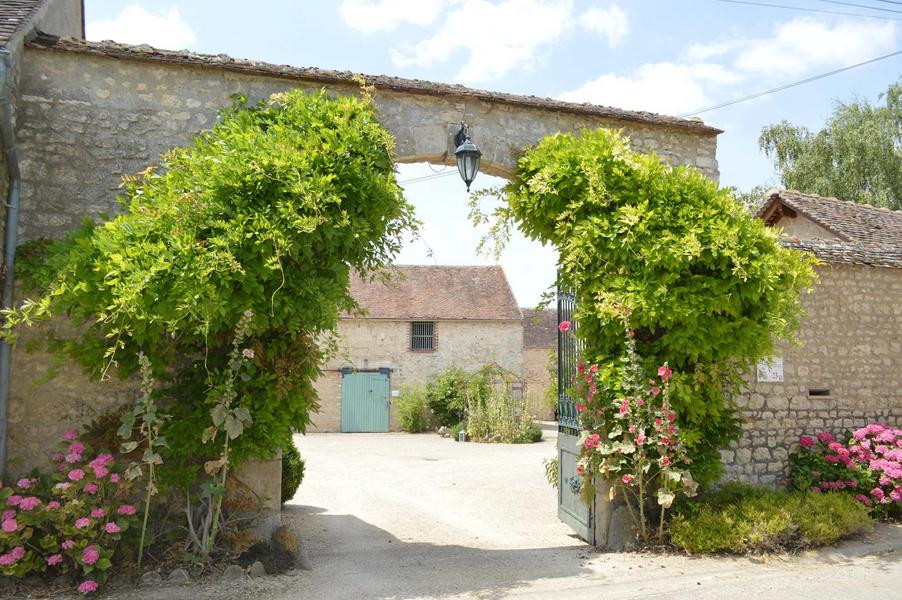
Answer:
(427, 177)
(789, 85)
(815, 10)
(889, 10)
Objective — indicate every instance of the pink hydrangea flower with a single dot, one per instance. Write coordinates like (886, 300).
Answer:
(9, 525)
(90, 555)
(100, 471)
(98, 513)
(73, 458)
(70, 436)
(114, 478)
(29, 503)
(126, 509)
(18, 553)
(63, 485)
(57, 456)
(825, 437)
(564, 326)
(24, 483)
(806, 441)
(67, 545)
(53, 505)
(76, 448)
(6, 560)
(8, 514)
(111, 528)
(88, 586)
(54, 559)
(14, 500)
(877, 493)
(82, 523)
(76, 475)
(91, 488)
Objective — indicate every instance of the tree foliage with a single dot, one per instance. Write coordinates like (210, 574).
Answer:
(857, 156)
(270, 210)
(709, 286)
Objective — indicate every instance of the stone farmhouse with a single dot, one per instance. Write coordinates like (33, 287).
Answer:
(423, 321)
(539, 352)
(845, 370)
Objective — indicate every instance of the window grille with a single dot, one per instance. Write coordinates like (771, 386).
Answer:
(422, 335)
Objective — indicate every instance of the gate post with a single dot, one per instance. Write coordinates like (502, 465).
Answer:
(613, 526)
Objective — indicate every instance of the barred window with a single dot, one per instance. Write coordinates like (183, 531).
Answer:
(422, 335)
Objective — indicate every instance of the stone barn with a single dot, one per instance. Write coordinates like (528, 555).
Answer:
(423, 321)
(540, 361)
(845, 371)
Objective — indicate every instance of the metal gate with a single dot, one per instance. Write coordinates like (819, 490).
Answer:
(364, 401)
(571, 508)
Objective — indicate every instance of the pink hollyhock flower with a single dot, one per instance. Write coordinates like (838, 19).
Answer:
(76, 475)
(631, 429)
(825, 437)
(640, 440)
(631, 333)
(88, 586)
(564, 326)
(592, 441)
(29, 503)
(580, 407)
(624, 407)
(24, 483)
(82, 523)
(111, 528)
(655, 391)
(70, 436)
(6, 560)
(671, 417)
(128, 509)
(9, 525)
(114, 478)
(54, 559)
(579, 469)
(640, 402)
(665, 462)
(594, 368)
(806, 441)
(581, 368)
(57, 456)
(13, 500)
(98, 513)
(627, 479)
(53, 505)
(664, 372)
(659, 422)
(67, 545)
(248, 313)
(91, 488)
(671, 430)
(8, 514)
(76, 448)
(90, 555)
(18, 553)
(592, 389)
(247, 353)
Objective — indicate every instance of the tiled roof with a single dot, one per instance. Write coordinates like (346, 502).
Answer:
(414, 86)
(438, 293)
(539, 328)
(874, 255)
(15, 14)
(859, 223)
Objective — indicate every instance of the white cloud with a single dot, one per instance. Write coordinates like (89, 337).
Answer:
(135, 25)
(668, 88)
(611, 22)
(370, 16)
(802, 44)
(496, 36)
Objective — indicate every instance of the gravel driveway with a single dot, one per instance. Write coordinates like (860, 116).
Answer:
(399, 516)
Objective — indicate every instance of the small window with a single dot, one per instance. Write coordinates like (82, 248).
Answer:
(422, 335)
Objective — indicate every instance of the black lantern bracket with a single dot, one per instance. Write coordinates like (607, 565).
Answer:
(467, 155)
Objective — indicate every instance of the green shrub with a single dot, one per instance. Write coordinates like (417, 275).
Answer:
(292, 472)
(743, 519)
(413, 413)
(502, 415)
(535, 433)
(448, 394)
(455, 430)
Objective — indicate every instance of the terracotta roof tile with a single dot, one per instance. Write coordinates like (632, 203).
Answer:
(858, 223)
(874, 255)
(15, 14)
(438, 293)
(414, 86)
(539, 328)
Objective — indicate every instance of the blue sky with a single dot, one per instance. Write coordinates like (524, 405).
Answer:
(663, 55)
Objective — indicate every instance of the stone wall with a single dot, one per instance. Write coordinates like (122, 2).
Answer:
(850, 344)
(535, 371)
(375, 344)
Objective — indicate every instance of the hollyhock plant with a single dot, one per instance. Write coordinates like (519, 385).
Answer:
(632, 439)
(869, 466)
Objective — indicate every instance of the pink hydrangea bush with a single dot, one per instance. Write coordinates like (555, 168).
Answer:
(71, 520)
(632, 438)
(868, 466)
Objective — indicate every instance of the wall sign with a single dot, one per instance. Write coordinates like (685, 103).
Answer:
(770, 370)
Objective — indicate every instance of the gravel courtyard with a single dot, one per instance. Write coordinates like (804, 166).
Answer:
(404, 517)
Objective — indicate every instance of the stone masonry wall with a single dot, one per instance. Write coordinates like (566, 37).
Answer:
(850, 344)
(535, 371)
(374, 344)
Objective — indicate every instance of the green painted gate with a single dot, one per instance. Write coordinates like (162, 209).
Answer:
(364, 401)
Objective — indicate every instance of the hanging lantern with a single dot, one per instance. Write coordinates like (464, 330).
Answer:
(467, 155)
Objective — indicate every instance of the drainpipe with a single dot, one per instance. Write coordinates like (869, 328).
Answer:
(8, 141)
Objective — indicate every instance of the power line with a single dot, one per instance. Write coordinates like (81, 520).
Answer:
(890, 2)
(790, 85)
(815, 10)
(428, 177)
(890, 10)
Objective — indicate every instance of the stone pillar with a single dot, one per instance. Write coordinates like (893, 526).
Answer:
(613, 525)
(264, 478)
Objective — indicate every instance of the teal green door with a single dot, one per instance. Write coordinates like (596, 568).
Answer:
(364, 402)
